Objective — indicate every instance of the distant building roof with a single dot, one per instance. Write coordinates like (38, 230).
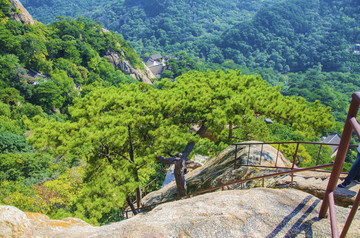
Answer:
(332, 139)
(155, 57)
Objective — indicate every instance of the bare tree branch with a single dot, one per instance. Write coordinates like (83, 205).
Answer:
(170, 160)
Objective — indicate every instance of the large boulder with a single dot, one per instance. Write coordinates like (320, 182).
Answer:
(20, 13)
(14, 223)
(119, 62)
(43, 226)
(258, 212)
(220, 170)
(316, 183)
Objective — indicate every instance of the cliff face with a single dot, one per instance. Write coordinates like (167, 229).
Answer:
(125, 66)
(19, 13)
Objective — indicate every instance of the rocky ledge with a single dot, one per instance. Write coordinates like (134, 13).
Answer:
(258, 212)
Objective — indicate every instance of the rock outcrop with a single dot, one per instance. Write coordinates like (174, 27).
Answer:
(20, 13)
(14, 223)
(124, 65)
(220, 170)
(316, 183)
(258, 212)
(45, 227)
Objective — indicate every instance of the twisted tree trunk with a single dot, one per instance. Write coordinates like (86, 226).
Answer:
(180, 163)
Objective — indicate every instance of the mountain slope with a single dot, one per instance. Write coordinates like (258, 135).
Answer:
(297, 35)
(159, 25)
(288, 35)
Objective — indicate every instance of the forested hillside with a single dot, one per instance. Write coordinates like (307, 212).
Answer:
(78, 136)
(289, 36)
(297, 35)
(46, 11)
(283, 41)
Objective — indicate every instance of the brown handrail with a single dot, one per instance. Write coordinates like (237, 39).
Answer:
(277, 154)
(315, 168)
(147, 185)
(328, 201)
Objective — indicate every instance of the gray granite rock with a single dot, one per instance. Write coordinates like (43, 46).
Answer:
(258, 212)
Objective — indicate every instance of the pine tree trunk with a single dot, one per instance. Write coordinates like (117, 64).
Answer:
(180, 164)
(134, 211)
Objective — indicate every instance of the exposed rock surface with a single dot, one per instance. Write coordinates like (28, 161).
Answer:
(14, 223)
(315, 184)
(220, 170)
(21, 14)
(258, 212)
(125, 66)
(45, 227)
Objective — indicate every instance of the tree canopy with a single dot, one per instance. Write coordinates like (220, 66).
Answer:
(119, 131)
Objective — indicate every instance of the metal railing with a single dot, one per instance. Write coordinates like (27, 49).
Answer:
(328, 203)
(291, 171)
(294, 157)
(144, 190)
(222, 187)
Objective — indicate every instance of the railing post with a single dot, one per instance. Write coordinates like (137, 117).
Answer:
(341, 154)
(317, 161)
(351, 215)
(235, 166)
(277, 155)
(261, 151)
(333, 221)
(295, 155)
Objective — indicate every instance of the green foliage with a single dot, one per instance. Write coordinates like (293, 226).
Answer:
(290, 35)
(42, 70)
(55, 198)
(27, 109)
(119, 131)
(4, 8)
(12, 143)
(234, 99)
(177, 67)
(283, 37)
(113, 129)
(10, 96)
(28, 168)
(96, 133)
(331, 89)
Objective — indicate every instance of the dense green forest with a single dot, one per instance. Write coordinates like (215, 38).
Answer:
(280, 40)
(289, 36)
(47, 11)
(78, 136)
